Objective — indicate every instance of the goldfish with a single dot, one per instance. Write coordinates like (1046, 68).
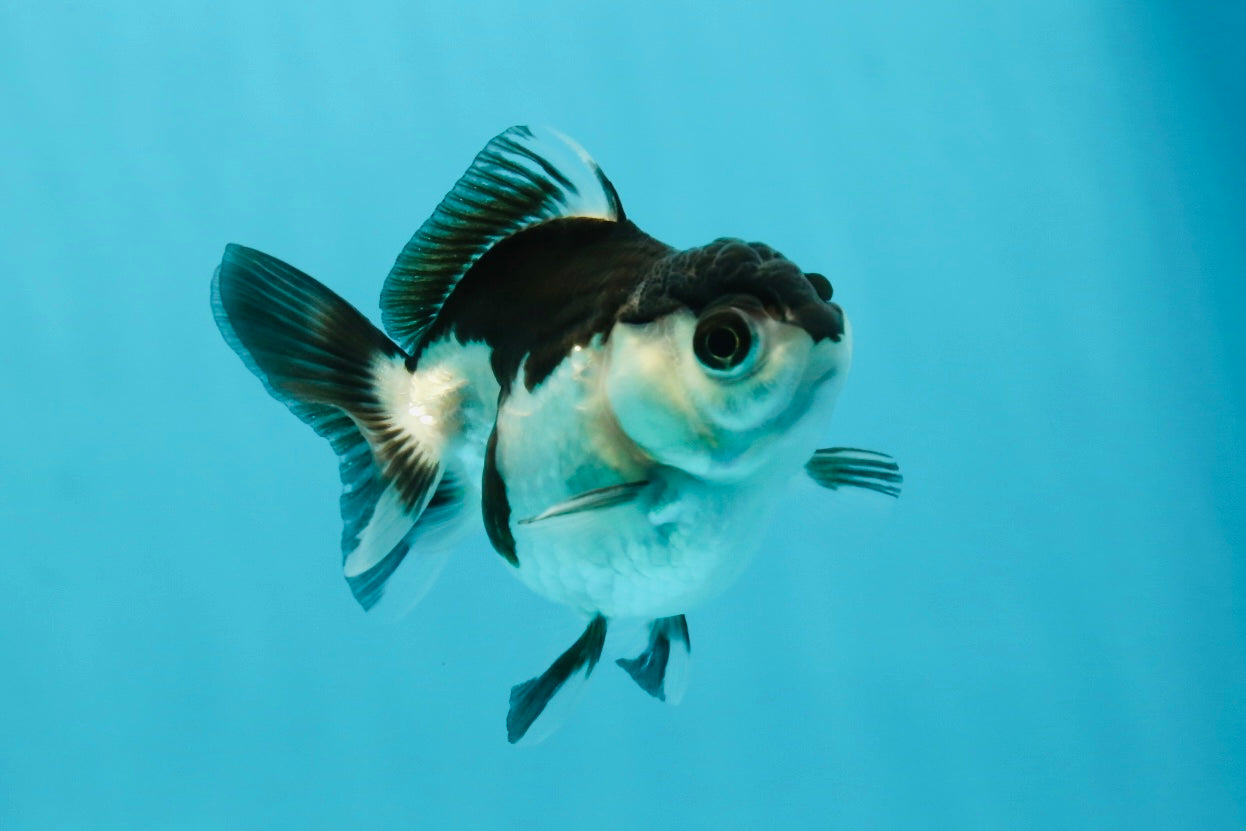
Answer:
(626, 414)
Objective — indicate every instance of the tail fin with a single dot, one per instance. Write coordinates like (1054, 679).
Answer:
(340, 374)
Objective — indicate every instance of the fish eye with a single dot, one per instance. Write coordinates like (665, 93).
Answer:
(723, 340)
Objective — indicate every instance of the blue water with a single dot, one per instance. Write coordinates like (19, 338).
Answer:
(1033, 213)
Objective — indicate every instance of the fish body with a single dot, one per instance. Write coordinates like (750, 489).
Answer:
(626, 414)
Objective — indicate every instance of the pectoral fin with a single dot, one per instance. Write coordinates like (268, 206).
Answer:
(840, 467)
(594, 500)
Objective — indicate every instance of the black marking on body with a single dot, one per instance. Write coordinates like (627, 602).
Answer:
(510, 186)
(494, 504)
(505, 261)
(540, 293)
(543, 291)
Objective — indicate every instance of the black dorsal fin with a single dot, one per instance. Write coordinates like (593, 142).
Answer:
(522, 178)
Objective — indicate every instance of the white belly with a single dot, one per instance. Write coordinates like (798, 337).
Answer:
(650, 559)
(681, 542)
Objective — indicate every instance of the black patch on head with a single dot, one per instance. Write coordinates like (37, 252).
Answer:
(700, 277)
(821, 285)
(545, 290)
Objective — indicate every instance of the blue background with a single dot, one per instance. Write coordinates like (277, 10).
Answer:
(1033, 213)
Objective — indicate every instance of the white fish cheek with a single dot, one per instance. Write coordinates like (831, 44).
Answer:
(749, 404)
(713, 426)
(763, 397)
(650, 393)
(782, 410)
(828, 368)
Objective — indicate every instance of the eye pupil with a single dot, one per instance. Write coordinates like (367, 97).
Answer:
(722, 343)
(723, 339)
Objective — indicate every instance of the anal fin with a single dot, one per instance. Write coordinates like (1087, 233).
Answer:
(662, 669)
(563, 679)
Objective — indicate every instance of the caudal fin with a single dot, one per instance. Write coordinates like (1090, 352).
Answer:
(337, 372)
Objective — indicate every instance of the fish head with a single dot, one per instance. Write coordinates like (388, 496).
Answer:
(727, 360)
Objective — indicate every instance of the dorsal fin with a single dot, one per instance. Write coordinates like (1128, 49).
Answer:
(522, 178)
